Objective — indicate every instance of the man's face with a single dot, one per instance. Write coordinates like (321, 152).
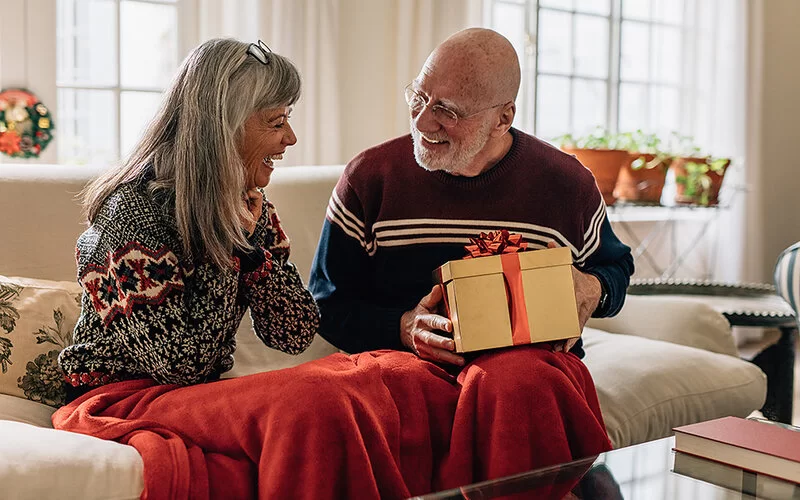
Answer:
(452, 148)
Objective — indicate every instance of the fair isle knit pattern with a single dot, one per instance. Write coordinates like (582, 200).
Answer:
(147, 311)
(390, 223)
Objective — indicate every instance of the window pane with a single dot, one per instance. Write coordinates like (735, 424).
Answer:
(86, 41)
(552, 106)
(632, 107)
(137, 109)
(637, 9)
(667, 54)
(555, 42)
(668, 11)
(665, 105)
(87, 126)
(558, 4)
(635, 48)
(589, 101)
(594, 6)
(591, 46)
(148, 44)
(509, 19)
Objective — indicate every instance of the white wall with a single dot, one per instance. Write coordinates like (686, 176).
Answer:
(27, 57)
(774, 138)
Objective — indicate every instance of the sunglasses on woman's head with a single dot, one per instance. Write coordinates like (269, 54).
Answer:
(260, 51)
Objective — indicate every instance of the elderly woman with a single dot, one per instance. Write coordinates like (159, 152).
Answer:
(181, 243)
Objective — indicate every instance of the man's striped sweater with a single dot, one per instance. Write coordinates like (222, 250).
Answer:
(390, 223)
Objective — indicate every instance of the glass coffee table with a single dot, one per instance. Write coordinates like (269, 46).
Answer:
(644, 471)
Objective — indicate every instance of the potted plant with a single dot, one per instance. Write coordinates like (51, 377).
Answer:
(698, 178)
(600, 153)
(642, 179)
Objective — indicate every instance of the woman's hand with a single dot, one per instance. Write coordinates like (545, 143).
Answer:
(254, 201)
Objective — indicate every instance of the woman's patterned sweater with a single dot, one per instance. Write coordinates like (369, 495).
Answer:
(148, 311)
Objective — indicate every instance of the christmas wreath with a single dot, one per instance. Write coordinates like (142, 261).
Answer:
(25, 124)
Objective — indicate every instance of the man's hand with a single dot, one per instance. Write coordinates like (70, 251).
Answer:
(417, 328)
(587, 294)
(587, 297)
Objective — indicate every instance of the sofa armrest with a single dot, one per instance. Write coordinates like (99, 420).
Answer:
(679, 320)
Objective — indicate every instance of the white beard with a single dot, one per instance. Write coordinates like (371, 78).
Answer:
(457, 159)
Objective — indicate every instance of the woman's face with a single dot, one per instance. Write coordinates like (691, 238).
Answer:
(267, 134)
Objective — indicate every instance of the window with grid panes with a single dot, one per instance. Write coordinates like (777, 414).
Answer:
(618, 64)
(114, 58)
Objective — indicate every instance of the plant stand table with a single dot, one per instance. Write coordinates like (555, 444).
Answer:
(664, 220)
(747, 305)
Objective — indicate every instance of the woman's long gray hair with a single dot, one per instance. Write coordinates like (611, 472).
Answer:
(192, 143)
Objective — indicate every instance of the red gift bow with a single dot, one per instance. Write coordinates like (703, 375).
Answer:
(506, 245)
(495, 243)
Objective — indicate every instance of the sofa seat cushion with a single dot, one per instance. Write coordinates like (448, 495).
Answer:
(691, 322)
(252, 356)
(46, 463)
(646, 387)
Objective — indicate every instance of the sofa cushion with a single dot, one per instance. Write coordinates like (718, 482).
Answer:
(25, 411)
(691, 322)
(36, 321)
(46, 463)
(646, 387)
(252, 356)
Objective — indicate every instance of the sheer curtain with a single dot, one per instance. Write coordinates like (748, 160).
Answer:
(305, 31)
(717, 71)
(355, 56)
(421, 26)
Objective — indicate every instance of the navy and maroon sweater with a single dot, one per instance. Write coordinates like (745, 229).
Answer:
(390, 223)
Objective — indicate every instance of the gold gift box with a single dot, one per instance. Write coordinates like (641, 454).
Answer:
(480, 297)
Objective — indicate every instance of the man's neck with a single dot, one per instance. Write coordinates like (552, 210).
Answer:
(495, 151)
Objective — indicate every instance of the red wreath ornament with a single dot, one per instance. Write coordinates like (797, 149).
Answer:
(26, 126)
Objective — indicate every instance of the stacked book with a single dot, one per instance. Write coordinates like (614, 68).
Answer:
(754, 456)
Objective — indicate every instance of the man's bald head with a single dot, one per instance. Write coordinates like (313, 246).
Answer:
(481, 65)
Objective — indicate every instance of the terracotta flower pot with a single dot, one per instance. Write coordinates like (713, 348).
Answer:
(679, 168)
(605, 164)
(643, 185)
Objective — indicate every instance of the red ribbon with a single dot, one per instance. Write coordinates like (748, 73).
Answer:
(507, 244)
(515, 294)
(495, 243)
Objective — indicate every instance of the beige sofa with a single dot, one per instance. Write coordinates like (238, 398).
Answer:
(668, 362)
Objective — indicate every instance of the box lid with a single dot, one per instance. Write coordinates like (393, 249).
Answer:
(547, 257)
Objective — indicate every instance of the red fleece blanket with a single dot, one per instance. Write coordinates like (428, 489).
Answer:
(375, 425)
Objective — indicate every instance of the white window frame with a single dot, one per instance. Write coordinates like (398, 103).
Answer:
(526, 114)
(119, 88)
(28, 48)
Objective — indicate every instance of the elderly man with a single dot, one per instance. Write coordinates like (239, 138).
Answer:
(405, 207)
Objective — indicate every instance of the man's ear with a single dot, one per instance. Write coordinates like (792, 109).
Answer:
(506, 119)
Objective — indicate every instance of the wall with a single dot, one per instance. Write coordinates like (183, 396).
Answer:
(774, 109)
(27, 48)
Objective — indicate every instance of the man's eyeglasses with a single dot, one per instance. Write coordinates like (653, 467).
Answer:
(260, 51)
(447, 117)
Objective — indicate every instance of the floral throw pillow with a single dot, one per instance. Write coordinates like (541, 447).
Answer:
(36, 322)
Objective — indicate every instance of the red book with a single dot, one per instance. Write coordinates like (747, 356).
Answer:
(751, 445)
